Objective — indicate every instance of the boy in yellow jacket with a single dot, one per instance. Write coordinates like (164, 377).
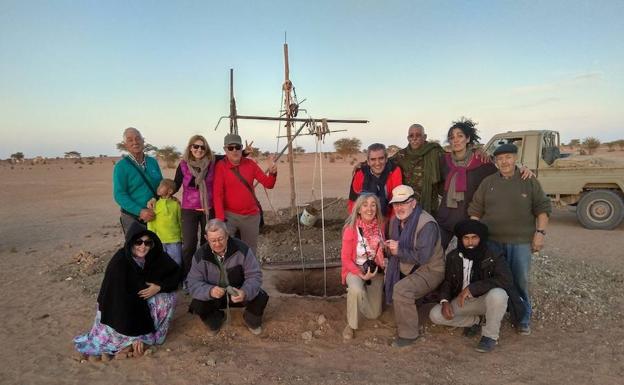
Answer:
(167, 224)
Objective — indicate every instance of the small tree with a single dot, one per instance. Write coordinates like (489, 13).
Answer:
(620, 144)
(574, 143)
(347, 146)
(169, 155)
(591, 144)
(18, 157)
(611, 146)
(149, 148)
(73, 155)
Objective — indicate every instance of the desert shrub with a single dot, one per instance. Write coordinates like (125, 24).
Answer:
(169, 155)
(611, 146)
(332, 159)
(582, 152)
(591, 144)
(347, 146)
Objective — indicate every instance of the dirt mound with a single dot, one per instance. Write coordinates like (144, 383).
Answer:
(284, 240)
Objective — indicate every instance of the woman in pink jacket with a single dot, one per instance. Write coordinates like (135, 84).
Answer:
(362, 261)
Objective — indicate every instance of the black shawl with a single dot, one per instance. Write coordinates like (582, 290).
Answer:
(119, 302)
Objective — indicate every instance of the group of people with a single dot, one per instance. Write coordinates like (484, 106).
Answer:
(171, 243)
(424, 225)
(457, 228)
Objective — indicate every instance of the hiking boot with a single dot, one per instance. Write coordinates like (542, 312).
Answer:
(524, 330)
(401, 342)
(255, 331)
(347, 333)
(472, 331)
(486, 344)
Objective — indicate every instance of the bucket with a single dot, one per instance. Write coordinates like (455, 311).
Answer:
(308, 216)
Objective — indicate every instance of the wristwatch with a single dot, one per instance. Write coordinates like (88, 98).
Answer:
(543, 232)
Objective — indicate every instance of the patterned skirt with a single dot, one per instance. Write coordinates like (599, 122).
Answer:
(104, 339)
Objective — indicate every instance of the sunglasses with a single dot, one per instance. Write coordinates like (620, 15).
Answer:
(146, 242)
(198, 147)
(234, 147)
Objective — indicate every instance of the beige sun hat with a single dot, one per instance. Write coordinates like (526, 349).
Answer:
(401, 193)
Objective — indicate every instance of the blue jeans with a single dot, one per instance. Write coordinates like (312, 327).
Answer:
(518, 257)
(175, 251)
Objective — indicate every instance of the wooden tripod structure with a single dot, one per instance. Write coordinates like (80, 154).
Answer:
(290, 108)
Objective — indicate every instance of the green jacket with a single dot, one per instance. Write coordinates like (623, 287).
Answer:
(168, 222)
(129, 190)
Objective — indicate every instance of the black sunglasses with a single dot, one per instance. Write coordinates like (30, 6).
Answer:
(198, 146)
(234, 147)
(146, 242)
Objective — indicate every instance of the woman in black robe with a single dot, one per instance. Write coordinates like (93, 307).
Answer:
(136, 300)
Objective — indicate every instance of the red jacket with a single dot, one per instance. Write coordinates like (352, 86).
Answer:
(230, 194)
(395, 178)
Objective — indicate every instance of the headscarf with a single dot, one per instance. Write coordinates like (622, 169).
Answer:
(471, 226)
(430, 154)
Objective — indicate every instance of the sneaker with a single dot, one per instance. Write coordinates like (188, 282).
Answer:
(524, 330)
(472, 331)
(347, 333)
(255, 331)
(486, 344)
(401, 342)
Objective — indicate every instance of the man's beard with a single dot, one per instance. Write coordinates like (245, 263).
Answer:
(475, 253)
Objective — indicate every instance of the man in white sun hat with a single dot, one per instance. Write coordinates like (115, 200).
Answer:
(416, 261)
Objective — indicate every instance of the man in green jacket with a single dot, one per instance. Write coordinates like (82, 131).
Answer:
(135, 180)
(420, 166)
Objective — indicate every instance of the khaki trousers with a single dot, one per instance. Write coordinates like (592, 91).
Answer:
(362, 299)
(492, 304)
(405, 294)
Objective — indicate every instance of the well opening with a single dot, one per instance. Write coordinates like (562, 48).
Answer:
(309, 284)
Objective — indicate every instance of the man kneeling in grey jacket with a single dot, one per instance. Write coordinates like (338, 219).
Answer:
(225, 270)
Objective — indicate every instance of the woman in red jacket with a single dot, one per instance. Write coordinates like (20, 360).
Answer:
(362, 261)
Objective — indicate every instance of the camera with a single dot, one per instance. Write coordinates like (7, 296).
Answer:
(369, 265)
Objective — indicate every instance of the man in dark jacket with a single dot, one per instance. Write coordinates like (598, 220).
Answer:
(474, 285)
(225, 273)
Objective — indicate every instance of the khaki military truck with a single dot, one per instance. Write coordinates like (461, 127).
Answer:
(594, 185)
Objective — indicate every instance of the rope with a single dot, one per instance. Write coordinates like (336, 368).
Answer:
(322, 219)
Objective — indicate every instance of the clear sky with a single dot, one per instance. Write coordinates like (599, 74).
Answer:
(74, 74)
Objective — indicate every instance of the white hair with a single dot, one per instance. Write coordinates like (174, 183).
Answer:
(216, 225)
(129, 130)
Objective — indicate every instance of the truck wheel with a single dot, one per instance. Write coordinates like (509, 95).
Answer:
(600, 209)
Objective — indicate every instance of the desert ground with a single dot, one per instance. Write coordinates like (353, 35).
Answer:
(60, 226)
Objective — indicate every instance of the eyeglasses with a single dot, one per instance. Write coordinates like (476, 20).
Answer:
(146, 242)
(413, 136)
(234, 147)
(198, 147)
(217, 240)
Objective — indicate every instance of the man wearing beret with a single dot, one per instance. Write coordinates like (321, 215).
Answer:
(477, 283)
(516, 211)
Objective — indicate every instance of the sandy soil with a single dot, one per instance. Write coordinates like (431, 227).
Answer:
(58, 214)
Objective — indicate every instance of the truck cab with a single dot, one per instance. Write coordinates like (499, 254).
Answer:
(595, 190)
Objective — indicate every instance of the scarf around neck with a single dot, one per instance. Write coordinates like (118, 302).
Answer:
(373, 238)
(199, 169)
(405, 237)
(429, 152)
(456, 181)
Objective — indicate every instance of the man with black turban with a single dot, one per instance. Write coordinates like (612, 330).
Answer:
(475, 284)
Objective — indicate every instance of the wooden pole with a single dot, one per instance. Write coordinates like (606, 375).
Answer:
(287, 87)
(233, 113)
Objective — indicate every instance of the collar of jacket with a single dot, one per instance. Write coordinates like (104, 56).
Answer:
(230, 249)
